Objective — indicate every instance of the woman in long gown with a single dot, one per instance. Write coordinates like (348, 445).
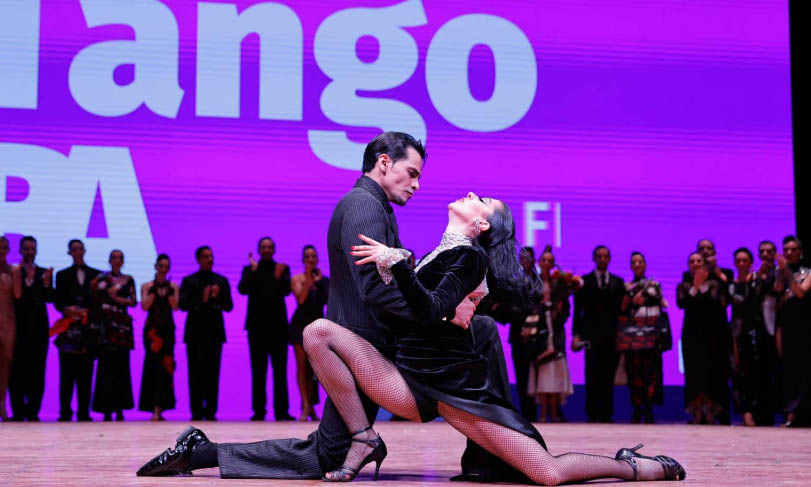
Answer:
(705, 342)
(752, 351)
(794, 333)
(643, 299)
(10, 289)
(311, 288)
(114, 294)
(159, 298)
(549, 379)
(436, 370)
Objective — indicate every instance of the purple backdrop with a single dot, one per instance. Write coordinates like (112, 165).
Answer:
(641, 125)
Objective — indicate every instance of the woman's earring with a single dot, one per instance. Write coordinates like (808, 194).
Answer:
(477, 227)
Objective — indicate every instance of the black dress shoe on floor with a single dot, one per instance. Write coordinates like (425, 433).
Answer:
(285, 417)
(175, 461)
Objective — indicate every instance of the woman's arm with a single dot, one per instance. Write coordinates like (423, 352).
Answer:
(147, 298)
(301, 287)
(174, 297)
(461, 277)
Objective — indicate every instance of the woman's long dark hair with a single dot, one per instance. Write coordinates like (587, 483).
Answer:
(505, 277)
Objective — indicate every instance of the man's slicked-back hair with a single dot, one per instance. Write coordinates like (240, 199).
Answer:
(394, 144)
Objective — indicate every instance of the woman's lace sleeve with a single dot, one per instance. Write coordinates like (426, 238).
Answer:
(388, 258)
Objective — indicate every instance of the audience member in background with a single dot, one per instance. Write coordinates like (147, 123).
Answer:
(10, 289)
(311, 288)
(643, 299)
(794, 332)
(752, 351)
(205, 295)
(76, 343)
(31, 349)
(113, 292)
(706, 248)
(767, 252)
(266, 283)
(724, 276)
(705, 343)
(159, 298)
(521, 353)
(597, 307)
(549, 380)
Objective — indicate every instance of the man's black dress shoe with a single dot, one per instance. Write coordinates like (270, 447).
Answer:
(175, 461)
(284, 417)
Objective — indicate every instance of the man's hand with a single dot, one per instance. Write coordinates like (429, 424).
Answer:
(279, 269)
(464, 313)
(215, 291)
(577, 344)
(253, 262)
(206, 293)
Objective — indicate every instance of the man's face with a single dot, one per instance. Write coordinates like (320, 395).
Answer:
(266, 249)
(28, 250)
(706, 248)
(206, 260)
(767, 252)
(400, 179)
(77, 252)
(601, 259)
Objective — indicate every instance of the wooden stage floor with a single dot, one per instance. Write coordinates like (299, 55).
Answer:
(107, 454)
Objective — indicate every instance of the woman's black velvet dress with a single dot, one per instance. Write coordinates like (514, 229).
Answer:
(437, 358)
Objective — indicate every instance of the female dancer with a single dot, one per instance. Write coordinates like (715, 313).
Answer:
(160, 298)
(311, 288)
(114, 294)
(436, 371)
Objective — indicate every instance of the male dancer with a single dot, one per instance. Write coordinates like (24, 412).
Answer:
(359, 300)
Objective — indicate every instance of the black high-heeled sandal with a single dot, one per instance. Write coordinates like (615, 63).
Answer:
(673, 470)
(377, 455)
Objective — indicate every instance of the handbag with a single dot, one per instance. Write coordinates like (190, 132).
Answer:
(636, 333)
(534, 336)
(664, 337)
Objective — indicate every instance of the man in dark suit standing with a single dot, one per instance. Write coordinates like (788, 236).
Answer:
(266, 283)
(359, 300)
(204, 295)
(72, 298)
(31, 346)
(597, 308)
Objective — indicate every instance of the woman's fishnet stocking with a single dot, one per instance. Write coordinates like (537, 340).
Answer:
(529, 457)
(344, 361)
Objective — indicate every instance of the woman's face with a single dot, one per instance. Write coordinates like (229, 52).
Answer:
(790, 249)
(547, 261)
(470, 207)
(638, 265)
(310, 258)
(526, 260)
(116, 260)
(695, 262)
(743, 263)
(163, 266)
